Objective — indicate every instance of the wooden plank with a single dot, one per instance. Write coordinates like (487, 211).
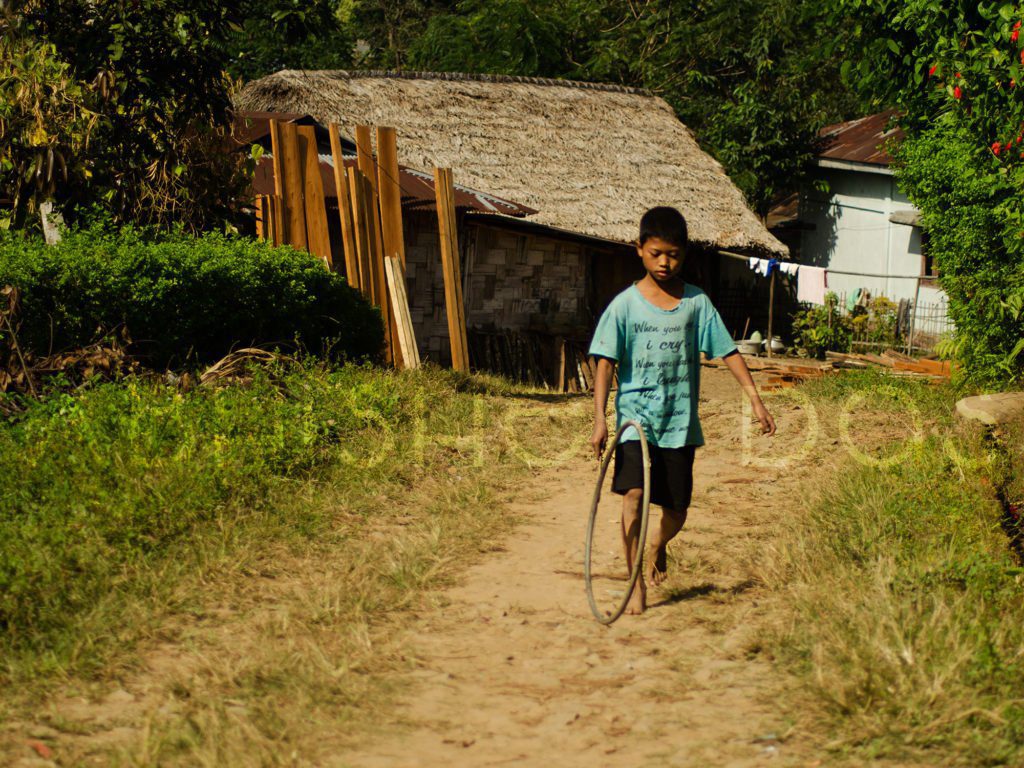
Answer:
(348, 237)
(400, 301)
(460, 305)
(360, 231)
(292, 171)
(390, 193)
(277, 219)
(316, 207)
(374, 260)
(390, 198)
(584, 368)
(560, 381)
(450, 266)
(930, 367)
(262, 224)
(368, 165)
(275, 152)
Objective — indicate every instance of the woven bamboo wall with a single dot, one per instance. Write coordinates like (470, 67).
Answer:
(513, 282)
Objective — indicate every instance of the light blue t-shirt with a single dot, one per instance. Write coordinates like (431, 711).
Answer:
(658, 356)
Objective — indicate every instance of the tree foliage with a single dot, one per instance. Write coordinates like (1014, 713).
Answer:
(136, 105)
(953, 69)
(753, 79)
(287, 34)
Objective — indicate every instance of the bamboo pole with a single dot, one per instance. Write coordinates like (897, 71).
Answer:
(348, 240)
(771, 311)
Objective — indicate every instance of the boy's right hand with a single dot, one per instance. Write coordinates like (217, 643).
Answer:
(599, 438)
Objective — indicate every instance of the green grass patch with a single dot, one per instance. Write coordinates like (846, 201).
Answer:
(113, 497)
(905, 604)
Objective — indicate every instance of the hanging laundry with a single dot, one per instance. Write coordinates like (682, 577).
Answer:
(811, 285)
(852, 298)
(789, 268)
(760, 266)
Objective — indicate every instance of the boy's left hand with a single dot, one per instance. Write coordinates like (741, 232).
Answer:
(765, 419)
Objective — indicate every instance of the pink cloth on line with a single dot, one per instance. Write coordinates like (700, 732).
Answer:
(811, 283)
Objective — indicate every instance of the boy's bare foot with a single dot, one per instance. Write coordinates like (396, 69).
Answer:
(656, 565)
(638, 600)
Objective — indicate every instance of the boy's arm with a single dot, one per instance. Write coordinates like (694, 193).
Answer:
(602, 385)
(738, 368)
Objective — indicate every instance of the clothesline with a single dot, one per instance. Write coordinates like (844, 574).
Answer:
(844, 272)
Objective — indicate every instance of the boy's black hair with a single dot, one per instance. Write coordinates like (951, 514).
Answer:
(664, 223)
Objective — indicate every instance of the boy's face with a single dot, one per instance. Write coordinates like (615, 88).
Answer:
(661, 259)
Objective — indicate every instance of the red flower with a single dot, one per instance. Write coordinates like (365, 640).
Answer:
(1016, 26)
(1009, 146)
(1022, 57)
(1014, 35)
(957, 93)
(995, 147)
(931, 71)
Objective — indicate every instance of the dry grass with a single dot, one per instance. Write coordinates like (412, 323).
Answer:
(903, 616)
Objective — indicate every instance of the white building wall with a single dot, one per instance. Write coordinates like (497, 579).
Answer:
(852, 233)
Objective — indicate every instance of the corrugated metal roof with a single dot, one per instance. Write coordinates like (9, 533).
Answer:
(417, 187)
(862, 140)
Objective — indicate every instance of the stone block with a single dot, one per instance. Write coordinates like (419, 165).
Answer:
(994, 409)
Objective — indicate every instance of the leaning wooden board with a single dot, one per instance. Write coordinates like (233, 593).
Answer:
(445, 195)
(403, 319)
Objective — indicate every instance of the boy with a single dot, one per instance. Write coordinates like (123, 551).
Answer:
(655, 331)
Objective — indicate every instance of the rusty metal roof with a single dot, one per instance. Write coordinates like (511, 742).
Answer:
(862, 140)
(417, 187)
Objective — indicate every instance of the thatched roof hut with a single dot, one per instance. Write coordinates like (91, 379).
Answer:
(591, 158)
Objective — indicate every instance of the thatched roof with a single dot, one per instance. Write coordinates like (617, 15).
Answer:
(591, 158)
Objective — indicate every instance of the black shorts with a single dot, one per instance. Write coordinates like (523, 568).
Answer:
(671, 473)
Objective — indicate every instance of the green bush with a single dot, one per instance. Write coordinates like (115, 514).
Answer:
(823, 328)
(181, 298)
(976, 240)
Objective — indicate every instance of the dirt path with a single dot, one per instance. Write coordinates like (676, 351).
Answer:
(514, 671)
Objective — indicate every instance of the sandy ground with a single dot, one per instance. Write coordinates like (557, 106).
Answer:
(515, 671)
